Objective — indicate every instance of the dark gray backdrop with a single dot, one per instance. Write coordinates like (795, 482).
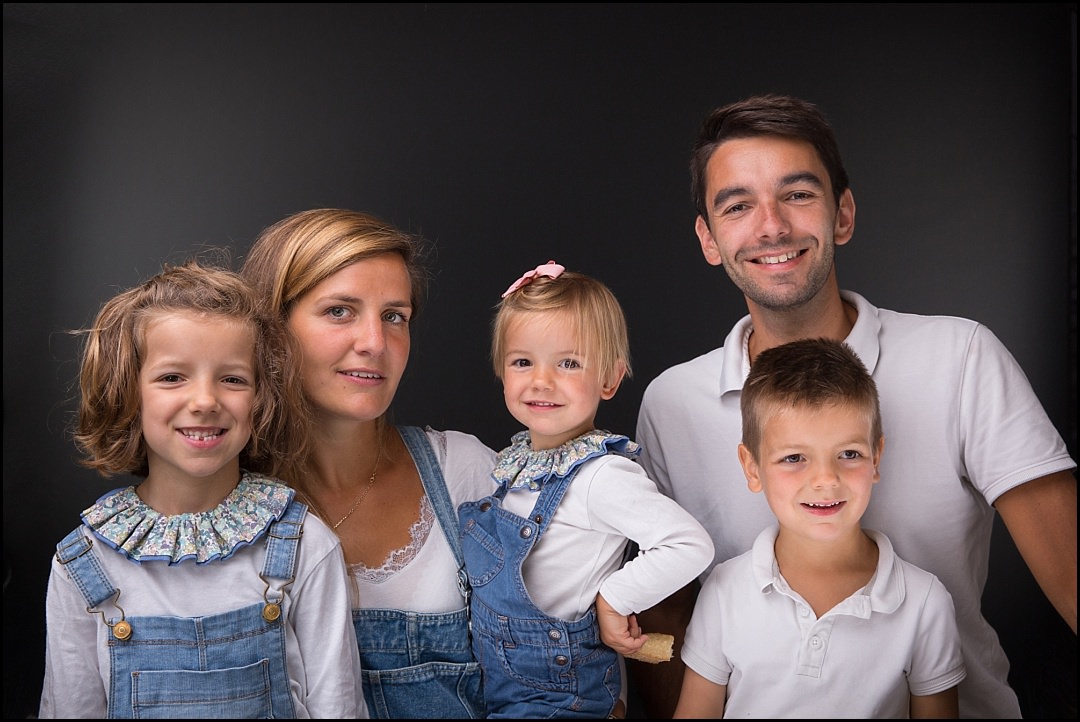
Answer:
(509, 134)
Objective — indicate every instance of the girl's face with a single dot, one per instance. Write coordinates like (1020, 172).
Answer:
(197, 386)
(548, 383)
(353, 328)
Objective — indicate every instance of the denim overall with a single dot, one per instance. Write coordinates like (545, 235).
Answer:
(415, 664)
(229, 665)
(534, 665)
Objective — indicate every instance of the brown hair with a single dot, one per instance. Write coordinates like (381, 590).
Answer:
(593, 312)
(764, 115)
(108, 427)
(810, 373)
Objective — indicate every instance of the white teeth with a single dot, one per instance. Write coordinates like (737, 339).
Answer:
(201, 435)
(360, 375)
(769, 260)
(822, 506)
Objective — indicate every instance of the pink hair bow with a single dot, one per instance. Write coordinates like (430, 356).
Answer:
(549, 269)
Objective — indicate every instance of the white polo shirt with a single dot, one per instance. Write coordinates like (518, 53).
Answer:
(862, 659)
(962, 426)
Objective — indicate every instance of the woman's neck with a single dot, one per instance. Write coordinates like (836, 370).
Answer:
(341, 451)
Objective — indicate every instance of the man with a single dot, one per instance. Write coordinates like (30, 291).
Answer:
(966, 433)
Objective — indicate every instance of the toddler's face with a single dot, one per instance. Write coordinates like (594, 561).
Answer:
(548, 383)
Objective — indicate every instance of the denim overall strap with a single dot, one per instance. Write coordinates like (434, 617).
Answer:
(419, 665)
(84, 569)
(535, 665)
(283, 545)
(435, 487)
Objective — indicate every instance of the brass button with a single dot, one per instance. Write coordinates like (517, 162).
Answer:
(121, 630)
(272, 612)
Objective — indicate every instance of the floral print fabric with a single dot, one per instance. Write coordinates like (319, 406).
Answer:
(125, 523)
(519, 466)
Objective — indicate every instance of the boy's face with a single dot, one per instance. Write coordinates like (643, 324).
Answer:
(816, 467)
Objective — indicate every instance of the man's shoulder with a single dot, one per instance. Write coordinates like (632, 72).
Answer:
(703, 367)
(911, 321)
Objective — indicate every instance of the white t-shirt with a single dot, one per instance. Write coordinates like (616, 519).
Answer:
(962, 426)
(609, 501)
(322, 659)
(423, 576)
(862, 659)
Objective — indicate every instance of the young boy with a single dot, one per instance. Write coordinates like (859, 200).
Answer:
(820, 618)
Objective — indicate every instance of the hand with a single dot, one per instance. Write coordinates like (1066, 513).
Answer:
(618, 631)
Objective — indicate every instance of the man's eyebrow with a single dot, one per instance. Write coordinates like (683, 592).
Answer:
(725, 194)
(804, 176)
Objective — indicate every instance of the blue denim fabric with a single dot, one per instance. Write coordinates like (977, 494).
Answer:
(421, 665)
(418, 666)
(229, 665)
(535, 666)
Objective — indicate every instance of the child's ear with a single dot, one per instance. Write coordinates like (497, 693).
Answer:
(750, 468)
(879, 449)
(612, 383)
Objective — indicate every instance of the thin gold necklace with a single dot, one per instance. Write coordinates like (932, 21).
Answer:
(363, 493)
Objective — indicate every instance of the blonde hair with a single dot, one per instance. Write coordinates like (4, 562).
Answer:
(593, 312)
(294, 255)
(108, 427)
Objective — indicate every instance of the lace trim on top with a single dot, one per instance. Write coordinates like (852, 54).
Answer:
(518, 466)
(399, 558)
(123, 521)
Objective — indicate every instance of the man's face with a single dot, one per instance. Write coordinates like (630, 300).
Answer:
(772, 219)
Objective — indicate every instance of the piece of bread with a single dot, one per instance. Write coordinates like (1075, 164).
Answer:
(656, 650)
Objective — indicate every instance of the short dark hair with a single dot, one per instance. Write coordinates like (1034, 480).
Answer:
(762, 115)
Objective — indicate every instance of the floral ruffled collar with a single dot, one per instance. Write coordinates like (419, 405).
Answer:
(125, 523)
(518, 466)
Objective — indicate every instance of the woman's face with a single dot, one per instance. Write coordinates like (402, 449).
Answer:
(353, 328)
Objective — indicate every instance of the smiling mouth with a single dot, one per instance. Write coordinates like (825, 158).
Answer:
(202, 435)
(782, 258)
(362, 374)
(822, 505)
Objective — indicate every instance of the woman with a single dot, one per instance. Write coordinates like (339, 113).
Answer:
(347, 285)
